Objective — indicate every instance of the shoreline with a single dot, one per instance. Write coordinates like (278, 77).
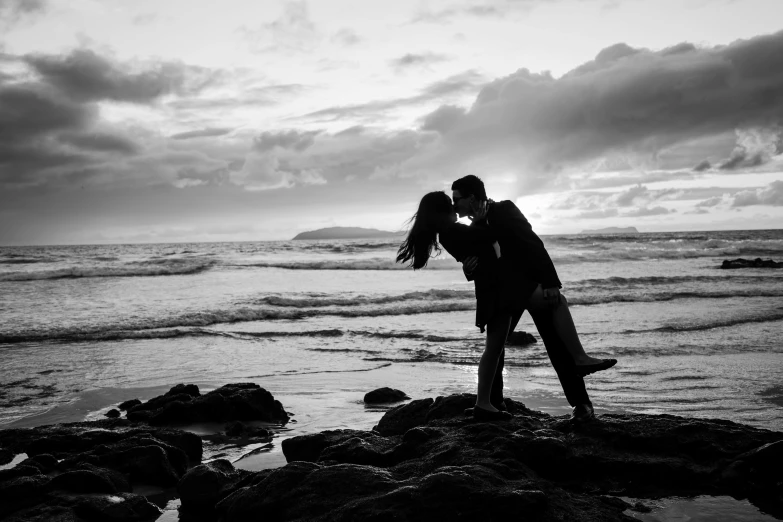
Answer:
(333, 399)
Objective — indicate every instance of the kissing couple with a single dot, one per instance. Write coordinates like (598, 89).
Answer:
(512, 272)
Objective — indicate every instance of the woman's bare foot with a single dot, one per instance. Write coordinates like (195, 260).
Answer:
(488, 406)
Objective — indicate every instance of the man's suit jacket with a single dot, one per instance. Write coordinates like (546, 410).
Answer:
(523, 249)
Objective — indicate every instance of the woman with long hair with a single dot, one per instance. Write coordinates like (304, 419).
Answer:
(434, 223)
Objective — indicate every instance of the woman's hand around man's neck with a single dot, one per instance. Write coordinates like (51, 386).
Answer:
(480, 211)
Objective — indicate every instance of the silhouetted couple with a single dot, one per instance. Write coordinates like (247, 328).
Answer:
(512, 272)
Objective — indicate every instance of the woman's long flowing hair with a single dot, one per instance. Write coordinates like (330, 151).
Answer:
(422, 239)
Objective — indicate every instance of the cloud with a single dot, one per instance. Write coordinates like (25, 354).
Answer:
(51, 132)
(418, 60)
(626, 198)
(292, 31)
(486, 9)
(202, 133)
(101, 142)
(631, 102)
(710, 202)
(291, 139)
(266, 172)
(85, 76)
(597, 214)
(289, 158)
(456, 85)
(251, 97)
(443, 118)
(144, 19)
(645, 211)
(702, 166)
(635, 201)
(771, 195)
(31, 116)
(11, 11)
(346, 37)
(754, 147)
(29, 111)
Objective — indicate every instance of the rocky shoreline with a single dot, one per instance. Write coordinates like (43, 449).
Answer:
(424, 460)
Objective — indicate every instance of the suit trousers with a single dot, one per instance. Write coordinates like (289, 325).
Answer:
(573, 384)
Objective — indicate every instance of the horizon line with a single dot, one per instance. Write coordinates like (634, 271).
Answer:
(120, 243)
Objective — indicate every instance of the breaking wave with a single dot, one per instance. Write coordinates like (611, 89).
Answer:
(318, 302)
(710, 325)
(378, 263)
(145, 268)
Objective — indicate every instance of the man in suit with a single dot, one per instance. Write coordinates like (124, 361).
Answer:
(536, 281)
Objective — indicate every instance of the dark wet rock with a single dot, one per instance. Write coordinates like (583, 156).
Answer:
(119, 481)
(187, 389)
(346, 445)
(304, 447)
(44, 514)
(113, 413)
(21, 492)
(751, 263)
(384, 395)
(427, 460)
(233, 402)
(640, 508)
(400, 419)
(84, 470)
(19, 471)
(65, 440)
(235, 429)
(83, 481)
(365, 448)
(6, 456)
(46, 463)
(122, 507)
(139, 416)
(238, 429)
(140, 459)
(127, 405)
(758, 473)
(205, 485)
(520, 339)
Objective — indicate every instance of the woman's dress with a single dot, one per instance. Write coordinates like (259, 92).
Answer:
(498, 289)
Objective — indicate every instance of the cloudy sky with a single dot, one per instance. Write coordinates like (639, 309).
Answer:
(201, 120)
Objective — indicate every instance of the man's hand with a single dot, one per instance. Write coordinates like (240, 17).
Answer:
(552, 296)
(469, 265)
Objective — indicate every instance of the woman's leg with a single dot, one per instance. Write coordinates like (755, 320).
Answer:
(564, 324)
(497, 331)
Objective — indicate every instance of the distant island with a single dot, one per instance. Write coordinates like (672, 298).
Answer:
(611, 230)
(347, 233)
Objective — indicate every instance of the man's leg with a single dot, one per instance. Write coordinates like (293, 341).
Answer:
(564, 324)
(573, 384)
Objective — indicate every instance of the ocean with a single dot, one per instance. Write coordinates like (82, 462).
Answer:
(320, 323)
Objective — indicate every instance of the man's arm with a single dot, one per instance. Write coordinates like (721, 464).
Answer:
(508, 218)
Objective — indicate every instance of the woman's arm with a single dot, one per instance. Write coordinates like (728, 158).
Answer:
(465, 242)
